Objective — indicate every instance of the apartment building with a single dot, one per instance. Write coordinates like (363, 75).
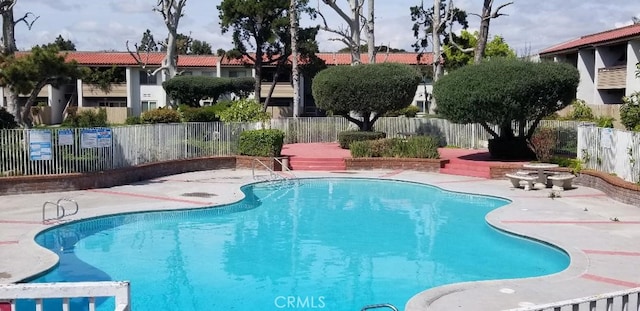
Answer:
(606, 62)
(141, 90)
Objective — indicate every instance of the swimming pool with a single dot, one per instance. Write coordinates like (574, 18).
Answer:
(333, 244)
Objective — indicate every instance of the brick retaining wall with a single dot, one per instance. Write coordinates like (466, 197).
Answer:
(425, 165)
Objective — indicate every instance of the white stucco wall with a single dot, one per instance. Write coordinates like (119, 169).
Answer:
(586, 67)
(633, 57)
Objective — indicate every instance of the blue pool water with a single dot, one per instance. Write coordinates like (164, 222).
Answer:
(332, 244)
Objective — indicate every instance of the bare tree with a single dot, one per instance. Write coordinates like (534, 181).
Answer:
(295, 72)
(369, 23)
(357, 23)
(485, 19)
(9, 47)
(171, 11)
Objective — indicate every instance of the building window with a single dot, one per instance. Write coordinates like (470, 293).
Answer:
(146, 79)
(149, 105)
(187, 73)
(209, 73)
(237, 73)
(279, 102)
(118, 104)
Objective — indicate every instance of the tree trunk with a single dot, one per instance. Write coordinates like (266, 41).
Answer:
(295, 73)
(279, 67)
(26, 120)
(483, 33)
(435, 39)
(354, 26)
(257, 66)
(8, 50)
(371, 39)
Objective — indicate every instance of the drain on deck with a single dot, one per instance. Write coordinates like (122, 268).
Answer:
(199, 194)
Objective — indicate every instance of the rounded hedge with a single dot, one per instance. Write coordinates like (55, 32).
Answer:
(189, 90)
(365, 88)
(499, 91)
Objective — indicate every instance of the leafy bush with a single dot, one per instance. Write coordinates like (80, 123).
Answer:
(201, 114)
(261, 143)
(581, 111)
(6, 119)
(574, 164)
(242, 86)
(409, 112)
(517, 90)
(244, 110)
(132, 120)
(87, 118)
(346, 138)
(424, 147)
(630, 111)
(160, 115)
(605, 122)
(543, 142)
(369, 90)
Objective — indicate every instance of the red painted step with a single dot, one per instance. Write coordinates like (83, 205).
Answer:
(317, 164)
(5, 306)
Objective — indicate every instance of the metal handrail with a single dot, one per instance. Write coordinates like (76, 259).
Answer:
(273, 175)
(591, 300)
(71, 201)
(379, 306)
(59, 211)
(285, 167)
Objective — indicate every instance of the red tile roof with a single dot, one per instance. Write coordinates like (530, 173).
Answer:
(125, 59)
(345, 59)
(596, 39)
(155, 59)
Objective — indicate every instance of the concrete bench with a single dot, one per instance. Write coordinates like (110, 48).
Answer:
(561, 181)
(529, 180)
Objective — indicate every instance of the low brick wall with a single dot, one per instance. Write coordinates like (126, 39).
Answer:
(426, 165)
(613, 186)
(69, 182)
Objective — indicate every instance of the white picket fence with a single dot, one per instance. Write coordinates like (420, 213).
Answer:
(611, 151)
(63, 151)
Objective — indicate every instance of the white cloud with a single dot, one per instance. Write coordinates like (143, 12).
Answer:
(132, 6)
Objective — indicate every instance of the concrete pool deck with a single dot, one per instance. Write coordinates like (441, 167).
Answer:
(600, 234)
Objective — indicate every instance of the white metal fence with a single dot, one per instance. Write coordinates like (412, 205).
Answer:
(63, 151)
(624, 300)
(11, 293)
(610, 151)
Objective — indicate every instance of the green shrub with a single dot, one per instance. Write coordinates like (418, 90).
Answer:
(244, 110)
(87, 118)
(347, 137)
(160, 115)
(505, 92)
(543, 143)
(605, 122)
(630, 111)
(424, 147)
(574, 164)
(261, 143)
(369, 90)
(581, 111)
(360, 149)
(200, 114)
(6, 119)
(409, 112)
(133, 120)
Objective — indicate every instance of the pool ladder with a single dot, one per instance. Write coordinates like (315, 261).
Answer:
(273, 176)
(379, 306)
(61, 212)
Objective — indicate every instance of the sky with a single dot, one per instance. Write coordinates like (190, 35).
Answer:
(529, 26)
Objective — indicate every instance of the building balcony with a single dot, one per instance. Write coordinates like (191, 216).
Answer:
(117, 90)
(612, 78)
(282, 90)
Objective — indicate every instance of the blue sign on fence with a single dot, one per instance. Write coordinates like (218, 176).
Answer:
(39, 145)
(104, 138)
(88, 138)
(65, 137)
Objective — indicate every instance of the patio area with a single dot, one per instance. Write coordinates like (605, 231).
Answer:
(599, 233)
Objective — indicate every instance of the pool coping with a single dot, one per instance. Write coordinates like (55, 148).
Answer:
(581, 263)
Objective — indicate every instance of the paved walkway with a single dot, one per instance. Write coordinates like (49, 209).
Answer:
(604, 253)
